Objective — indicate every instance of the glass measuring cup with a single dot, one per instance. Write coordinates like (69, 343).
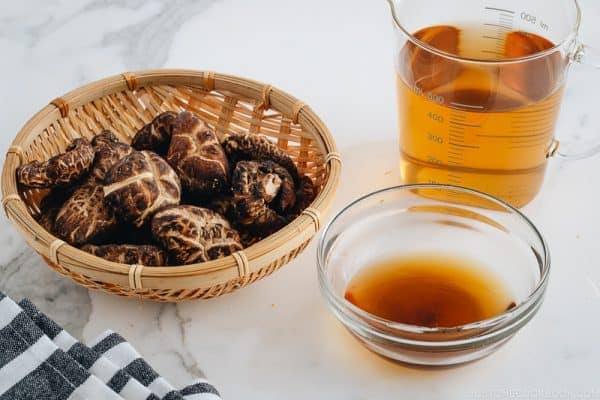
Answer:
(479, 85)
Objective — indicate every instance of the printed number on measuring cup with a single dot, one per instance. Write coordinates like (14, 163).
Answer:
(433, 160)
(532, 19)
(435, 138)
(436, 98)
(435, 117)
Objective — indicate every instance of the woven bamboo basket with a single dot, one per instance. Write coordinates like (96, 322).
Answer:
(126, 102)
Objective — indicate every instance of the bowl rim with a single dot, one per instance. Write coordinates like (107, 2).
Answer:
(490, 326)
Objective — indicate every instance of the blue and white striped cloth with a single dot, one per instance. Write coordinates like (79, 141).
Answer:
(40, 360)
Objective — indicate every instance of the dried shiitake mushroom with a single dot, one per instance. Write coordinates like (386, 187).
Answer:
(62, 169)
(220, 204)
(109, 151)
(139, 185)
(147, 255)
(85, 217)
(104, 137)
(246, 146)
(193, 234)
(197, 156)
(262, 192)
(51, 204)
(46, 218)
(253, 214)
(249, 238)
(256, 179)
(305, 194)
(156, 135)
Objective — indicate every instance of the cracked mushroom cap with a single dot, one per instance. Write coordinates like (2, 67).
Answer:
(139, 185)
(262, 192)
(156, 135)
(256, 179)
(247, 146)
(147, 255)
(85, 217)
(60, 170)
(193, 234)
(197, 156)
(109, 151)
(267, 180)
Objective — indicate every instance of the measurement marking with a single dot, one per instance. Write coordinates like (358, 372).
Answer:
(491, 37)
(454, 115)
(465, 124)
(508, 136)
(457, 139)
(454, 163)
(466, 105)
(530, 141)
(546, 110)
(525, 119)
(504, 18)
(505, 15)
(500, 9)
(457, 130)
(454, 153)
(466, 146)
(454, 134)
(498, 25)
(525, 146)
(496, 53)
(458, 177)
(533, 119)
(534, 126)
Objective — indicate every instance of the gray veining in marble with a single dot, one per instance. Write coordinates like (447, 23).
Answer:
(27, 275)
(146, 44)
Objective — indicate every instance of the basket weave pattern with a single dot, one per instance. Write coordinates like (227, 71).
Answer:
(127, 102)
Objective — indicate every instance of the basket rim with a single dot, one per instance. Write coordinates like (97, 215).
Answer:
(256, 256)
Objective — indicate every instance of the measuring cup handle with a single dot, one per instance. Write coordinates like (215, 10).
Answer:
(575, 150)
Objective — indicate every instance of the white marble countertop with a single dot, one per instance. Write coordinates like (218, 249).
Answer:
(276, 339)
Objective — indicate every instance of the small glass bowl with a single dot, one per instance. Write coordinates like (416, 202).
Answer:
(437, 219)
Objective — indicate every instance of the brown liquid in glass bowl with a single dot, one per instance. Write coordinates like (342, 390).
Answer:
(429, 291)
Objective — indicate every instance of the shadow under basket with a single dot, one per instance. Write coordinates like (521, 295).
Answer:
(126, 102)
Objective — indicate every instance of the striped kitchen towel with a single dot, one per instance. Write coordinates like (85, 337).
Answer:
(113, 376)
(33, 367)
(40, 360)
(114, 347)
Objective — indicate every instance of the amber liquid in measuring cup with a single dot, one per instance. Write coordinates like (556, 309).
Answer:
(429, 290)
(486, 126)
